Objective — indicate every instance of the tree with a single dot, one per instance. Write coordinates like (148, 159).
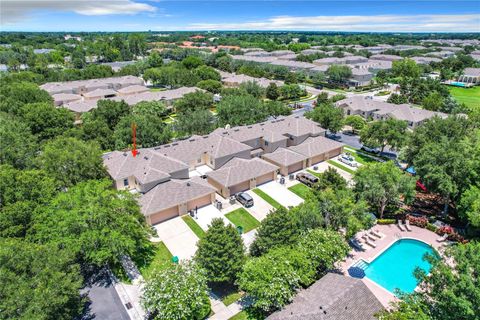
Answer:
(277, 108)
(237, 110)
(322, 98)
(221, 252)
(151, 131)
(383, 185)
(272, 91)
(110, 112)
(269, 281)
(449, 292)
(212, 86)
(323, 248)
(192, 62)
(154, 60)
(391, 132)
(397, 98)
(179, 292)
(252, 88)
(70, 161)
(356, 122)
(330, 178)
(406, 68)
(277, 229)
(156, 109)
(15, 95)
(38, 281)
(199, 122)
(193, 101)
(17, 143)
(45, 120)
(328, 116)
(207, 73)
(94, 221)
(469, 206)
(291, 92)
(434, 101)
(339, 73)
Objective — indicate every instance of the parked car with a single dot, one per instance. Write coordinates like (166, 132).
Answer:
(348, 160)
(307, 178)
(370, 149)
(245, 199)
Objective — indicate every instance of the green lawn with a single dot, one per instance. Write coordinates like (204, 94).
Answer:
(340, 166)
(157, 259)
(267, 198)
(231, 298)
(469, 96)
(300, 190)
(241, 217)
(360, 157)
(316, 174)
(194, 226)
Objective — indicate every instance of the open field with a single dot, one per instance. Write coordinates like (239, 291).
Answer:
(469, 96)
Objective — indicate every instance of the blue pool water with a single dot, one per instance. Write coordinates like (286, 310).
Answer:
(457, 84)
(394, 268)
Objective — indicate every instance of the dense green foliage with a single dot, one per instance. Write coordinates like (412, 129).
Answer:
(221, 252)
(178, 292)
(328, 116)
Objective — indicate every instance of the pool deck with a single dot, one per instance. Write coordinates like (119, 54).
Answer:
(391, 233)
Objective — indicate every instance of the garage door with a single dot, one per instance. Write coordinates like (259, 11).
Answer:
(200, 202)
(295, 167)
(265, 178)
(164, 215)
(318, 158)
(239, 187)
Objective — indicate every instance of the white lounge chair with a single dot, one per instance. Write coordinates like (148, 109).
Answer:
(376, 234)
(358, 245)
(371, 244)
(370, 237)
(407, 225)
(400, 225)
(443, 238)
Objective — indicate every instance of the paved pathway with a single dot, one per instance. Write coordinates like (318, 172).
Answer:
(178, 237)
(261, 208)
(281, 194)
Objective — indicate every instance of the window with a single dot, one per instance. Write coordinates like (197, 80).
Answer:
(125, 182)
(266, 143)
(199, 160)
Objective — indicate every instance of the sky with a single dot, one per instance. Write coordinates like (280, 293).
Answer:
(160, 15)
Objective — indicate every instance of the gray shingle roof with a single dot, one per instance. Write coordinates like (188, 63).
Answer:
(333, 297)
(314, 146)
(284, 157)
(146, 167)
(172, 193)
(239, 170)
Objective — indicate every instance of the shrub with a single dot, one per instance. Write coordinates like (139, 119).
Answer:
(431, 227)
(386, 221)
(418, 221)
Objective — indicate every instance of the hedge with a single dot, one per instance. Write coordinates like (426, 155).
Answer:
(386, 221)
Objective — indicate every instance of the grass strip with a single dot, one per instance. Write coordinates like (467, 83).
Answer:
(241, 217)
(194, 226)
(267, 198)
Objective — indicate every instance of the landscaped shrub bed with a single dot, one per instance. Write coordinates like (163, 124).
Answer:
(452, 235)
(418, 221)
(386, 221)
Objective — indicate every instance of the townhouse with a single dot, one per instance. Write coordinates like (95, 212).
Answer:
(175, 178)
(369, 108)
(470, 76)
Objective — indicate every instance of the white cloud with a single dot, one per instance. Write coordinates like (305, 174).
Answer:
(377, 23)
(13, 11)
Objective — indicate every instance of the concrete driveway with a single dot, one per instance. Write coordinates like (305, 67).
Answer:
(206, 214)
(261, 208)
(281, 194)
(178, 237)
(323, 166)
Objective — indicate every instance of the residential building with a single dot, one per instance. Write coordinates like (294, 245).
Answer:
(333, 297)
(470, 75)
(83, 86)
(229, 161)
(425, 60)
(367, 107)
(385, 57)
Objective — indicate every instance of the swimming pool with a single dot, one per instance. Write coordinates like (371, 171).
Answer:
(457, 84)
(393, 269)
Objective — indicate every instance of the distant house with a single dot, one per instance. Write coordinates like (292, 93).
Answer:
(470, 75)
(333, 297)
(425, 60)
(381, 110)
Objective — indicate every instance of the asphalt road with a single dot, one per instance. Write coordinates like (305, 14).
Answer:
(104, 302)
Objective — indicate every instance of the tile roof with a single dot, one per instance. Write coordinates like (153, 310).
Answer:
(239, 170)
(57, 87)
(475, 72)
(133, 89)
(81, 106)
(100, 93)
(172, 193)
(333, 297)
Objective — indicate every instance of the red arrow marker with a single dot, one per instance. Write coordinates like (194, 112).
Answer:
(134, 138)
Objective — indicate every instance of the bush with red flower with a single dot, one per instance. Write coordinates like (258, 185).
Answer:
(418, 221)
